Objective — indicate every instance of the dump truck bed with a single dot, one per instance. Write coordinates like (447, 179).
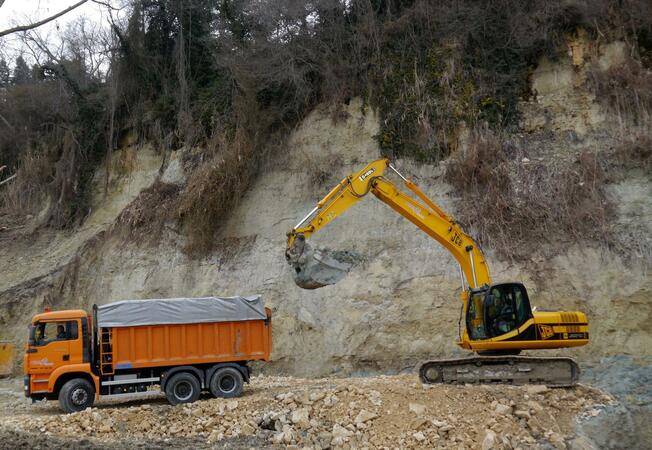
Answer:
(190, 344)
(138, 334)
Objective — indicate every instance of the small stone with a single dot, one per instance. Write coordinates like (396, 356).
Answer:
(247, 429)
(417, 408)
(331, 400)
(301, 417)
(439, 423)
(419, 436)
(535, 389)
(503, 410)
(231, 405)
(418, 423)
(489, 441)
(536, 406)
(557, 441)
(522, 414)
(276, 438)
(340, 431)
(316, 396)
(364, 416)
(215, 436)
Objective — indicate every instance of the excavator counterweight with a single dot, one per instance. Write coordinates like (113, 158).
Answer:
(498, 317)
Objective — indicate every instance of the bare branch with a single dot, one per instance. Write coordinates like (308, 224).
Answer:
(6, 122)
(40, 22)
(8, 179)
(107, 4)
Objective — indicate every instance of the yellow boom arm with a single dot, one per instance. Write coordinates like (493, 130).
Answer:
(424, 213)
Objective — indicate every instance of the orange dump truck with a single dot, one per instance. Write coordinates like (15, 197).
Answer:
(184, 345)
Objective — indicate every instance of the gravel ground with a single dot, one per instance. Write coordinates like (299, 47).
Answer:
(274, 412)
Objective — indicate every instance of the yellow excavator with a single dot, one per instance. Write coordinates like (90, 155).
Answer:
(498, 319)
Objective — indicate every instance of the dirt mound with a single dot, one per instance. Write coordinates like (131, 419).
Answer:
(385, 411)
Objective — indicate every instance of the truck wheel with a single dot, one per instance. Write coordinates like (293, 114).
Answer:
(182, 388)
(76, 395)
(226, 382)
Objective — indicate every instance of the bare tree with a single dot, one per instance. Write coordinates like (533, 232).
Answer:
(31, 26)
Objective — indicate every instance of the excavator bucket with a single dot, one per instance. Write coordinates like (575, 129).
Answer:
(315, 268)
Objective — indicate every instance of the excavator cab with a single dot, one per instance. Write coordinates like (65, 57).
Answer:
(496, 310)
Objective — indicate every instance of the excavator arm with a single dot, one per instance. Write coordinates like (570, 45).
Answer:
(422, 212)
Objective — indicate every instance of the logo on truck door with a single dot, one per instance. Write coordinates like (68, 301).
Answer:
(366, 174)
(41, 363)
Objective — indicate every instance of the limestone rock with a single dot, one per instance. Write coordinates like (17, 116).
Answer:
(417, 408)
(489, 440)
(535, 389)
(301, 417)
(503, 409)
(364, 416)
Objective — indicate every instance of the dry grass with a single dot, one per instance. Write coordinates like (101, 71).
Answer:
(215, 187)
(515, 206)
(626, 90)
(633, 153)
(146, 215)
(24, 194)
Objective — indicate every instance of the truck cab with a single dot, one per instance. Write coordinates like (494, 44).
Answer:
(58, 350)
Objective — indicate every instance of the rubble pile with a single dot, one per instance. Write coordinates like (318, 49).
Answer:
(376, 412)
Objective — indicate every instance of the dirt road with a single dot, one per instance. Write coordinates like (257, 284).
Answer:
(373, 412)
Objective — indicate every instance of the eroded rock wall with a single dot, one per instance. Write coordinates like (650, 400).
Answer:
(400, 306)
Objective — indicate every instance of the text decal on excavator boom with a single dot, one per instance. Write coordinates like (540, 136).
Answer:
(366, 174)
(456, 239)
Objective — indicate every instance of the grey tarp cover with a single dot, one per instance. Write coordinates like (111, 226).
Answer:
(127, 313)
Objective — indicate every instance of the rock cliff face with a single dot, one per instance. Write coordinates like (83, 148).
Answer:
(399, 307)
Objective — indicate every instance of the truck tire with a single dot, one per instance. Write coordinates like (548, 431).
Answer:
(183, 387)
(226, 382)
(76, 395)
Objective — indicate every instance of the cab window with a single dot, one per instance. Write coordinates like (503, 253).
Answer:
(43, 333)
(507, 308)
(522, 307)
(475, 316)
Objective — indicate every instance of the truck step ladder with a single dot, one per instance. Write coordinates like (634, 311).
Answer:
(106, 351)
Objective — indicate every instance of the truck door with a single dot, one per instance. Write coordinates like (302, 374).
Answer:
(53, 344)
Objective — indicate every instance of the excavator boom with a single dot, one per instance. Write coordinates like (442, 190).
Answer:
(424, 213)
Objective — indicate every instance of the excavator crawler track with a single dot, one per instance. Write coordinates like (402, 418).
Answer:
(550, 371)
